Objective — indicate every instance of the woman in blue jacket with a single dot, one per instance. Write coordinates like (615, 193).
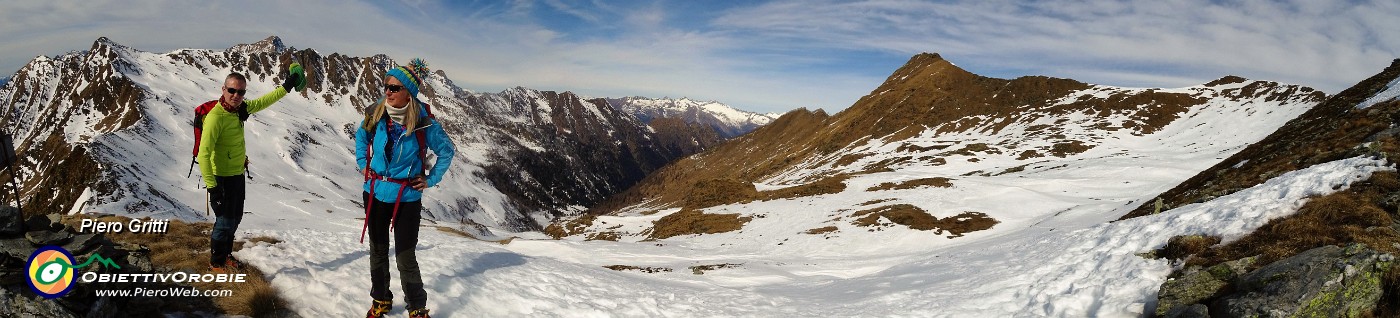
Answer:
(390, 149)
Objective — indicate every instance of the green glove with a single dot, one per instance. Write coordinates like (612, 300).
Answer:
(296, 78)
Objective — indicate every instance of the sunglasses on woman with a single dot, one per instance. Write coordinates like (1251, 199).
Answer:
(393, 88)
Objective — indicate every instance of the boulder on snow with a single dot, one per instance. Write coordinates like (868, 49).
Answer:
(1327, 281)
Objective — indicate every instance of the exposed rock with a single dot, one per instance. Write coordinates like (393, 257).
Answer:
(10, 226)
(1193, 311)
(16, 248)
(1197, 285)
(1327, 281)
(40, 223)
(48, 238)
(82, 243)
(14, 303)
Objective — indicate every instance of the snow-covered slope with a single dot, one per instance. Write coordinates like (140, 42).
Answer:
(729, 122)
(1064, 271)
(107, 130)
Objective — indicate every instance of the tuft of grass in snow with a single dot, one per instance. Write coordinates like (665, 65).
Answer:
(1180, 247)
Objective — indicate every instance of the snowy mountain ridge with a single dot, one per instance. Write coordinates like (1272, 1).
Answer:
(107, 130)
(728, 121)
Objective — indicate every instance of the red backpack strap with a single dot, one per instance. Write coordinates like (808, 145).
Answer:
(198, 123)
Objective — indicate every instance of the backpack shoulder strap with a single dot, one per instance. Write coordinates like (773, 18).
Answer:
(422, 137)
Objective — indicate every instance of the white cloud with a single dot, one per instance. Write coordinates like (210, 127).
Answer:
(768, 57)
(1327, 44)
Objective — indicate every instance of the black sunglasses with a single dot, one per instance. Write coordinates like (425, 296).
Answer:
(393, 88)
(238, 92)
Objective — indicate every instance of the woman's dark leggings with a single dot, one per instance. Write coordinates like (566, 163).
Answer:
(405, 242)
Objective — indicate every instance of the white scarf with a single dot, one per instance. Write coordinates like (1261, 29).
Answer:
(397, 113)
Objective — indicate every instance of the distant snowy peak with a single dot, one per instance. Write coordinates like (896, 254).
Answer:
(726, 120)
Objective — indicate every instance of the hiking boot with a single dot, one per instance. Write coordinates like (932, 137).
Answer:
(230, 264)
(418, 313)
(379, 308)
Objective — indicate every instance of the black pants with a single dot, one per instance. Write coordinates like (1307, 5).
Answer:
(226, 199)
(405, 242)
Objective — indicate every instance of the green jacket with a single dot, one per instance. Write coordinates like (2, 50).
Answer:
(221, 148)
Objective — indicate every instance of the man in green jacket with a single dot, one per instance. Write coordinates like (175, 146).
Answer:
(223, 156)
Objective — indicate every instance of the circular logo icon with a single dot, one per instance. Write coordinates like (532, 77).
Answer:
(51, 272)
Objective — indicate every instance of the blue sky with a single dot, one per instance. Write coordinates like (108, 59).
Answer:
(768, 56)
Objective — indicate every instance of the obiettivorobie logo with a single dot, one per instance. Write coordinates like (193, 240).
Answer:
(51, 271)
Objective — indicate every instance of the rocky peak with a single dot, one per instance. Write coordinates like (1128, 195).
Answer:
(104, 43)
(272, 44)
(1228, 79)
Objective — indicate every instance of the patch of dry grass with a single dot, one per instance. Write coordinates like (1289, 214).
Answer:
(558, 230)
(713, 192)
(689, 221)
(1065, 149)
(872, 202)
(701, 269)
(604, 236)
(1335, 219)
(821, 230)
(936, 182)
(829, 185)
(1180, 247)
(916, 218)
(644, 269)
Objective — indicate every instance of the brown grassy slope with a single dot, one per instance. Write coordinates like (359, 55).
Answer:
(1327, 132)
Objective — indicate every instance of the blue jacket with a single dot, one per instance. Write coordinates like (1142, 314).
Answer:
(403, 163)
